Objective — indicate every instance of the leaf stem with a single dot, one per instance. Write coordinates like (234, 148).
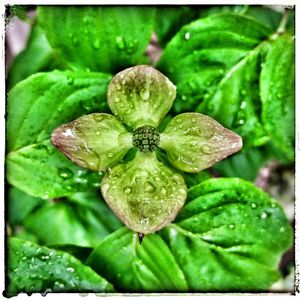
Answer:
(283, 22)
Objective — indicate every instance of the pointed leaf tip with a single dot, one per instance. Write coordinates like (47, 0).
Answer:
(195, 142)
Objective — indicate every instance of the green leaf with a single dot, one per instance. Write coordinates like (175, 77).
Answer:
(96, 141)
(215, 63)
(245, 164)
(84, 221)
(149, 267)
(38, 56)
(262, 14)
(47, 101)
(39, 269)
(169, 19)
(41, 171)
(277, 82)
(106, 39)
(37, 105)
(20, 205)
(144, 193)
(140, 95)
(228, 237)
(194, 142)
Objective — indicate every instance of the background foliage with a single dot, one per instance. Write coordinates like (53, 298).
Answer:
(233, 63)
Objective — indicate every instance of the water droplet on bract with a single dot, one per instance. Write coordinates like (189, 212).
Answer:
(98, 117)
(145, 94)
(206, 149)
(144, 221)
(110, 155)
(118, 87)
(127, 190)
(120, 43)
(65, 173)
(149, 187)
(163, 191)
(117, 99)
(96, 44)
(187, 36)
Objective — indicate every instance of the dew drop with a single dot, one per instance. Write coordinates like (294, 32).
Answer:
(65, 173)
(264, 215)
(243, 92)
(118, 87)
(98, 117)
(149, 187)
(144, 221)
(241, 121)
(110, 155)
(71, 270)
(243, 105)
(117, 99)
(253, 205)
(187, 36)
(183, 97)
(231, 226)
(206, 149)
(120, 43)
(145, 94)
(127, 190)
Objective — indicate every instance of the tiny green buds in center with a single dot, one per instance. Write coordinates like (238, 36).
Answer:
(146, 138)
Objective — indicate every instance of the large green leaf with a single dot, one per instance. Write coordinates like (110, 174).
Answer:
(228, 237)
(104, 39)
(82, 220)
(39, 269)
(277, 90)
(36, 57)
(215, 63)
(41, 171)
(36, 106)
(169, 19)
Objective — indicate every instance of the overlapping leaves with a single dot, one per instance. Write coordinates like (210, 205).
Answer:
(228, 237)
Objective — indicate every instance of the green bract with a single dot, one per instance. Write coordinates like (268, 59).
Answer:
(144, 193)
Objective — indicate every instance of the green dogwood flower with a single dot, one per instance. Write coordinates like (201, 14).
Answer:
(144, 193)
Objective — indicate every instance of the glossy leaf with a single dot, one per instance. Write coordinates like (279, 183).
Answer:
(50, 271)
(134, 267)
(20, 205)
(37, 105)
(262, 14)
(215, 64)
(144, 193)
(38, 56)
(228, 237)
(84, 221)
(277, 84)
(140, 96)
(96, 141)
(41, 171)
(169, 19)
(106, 39)
(195, 142)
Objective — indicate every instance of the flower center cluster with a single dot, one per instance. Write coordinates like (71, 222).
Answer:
(146, 138)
